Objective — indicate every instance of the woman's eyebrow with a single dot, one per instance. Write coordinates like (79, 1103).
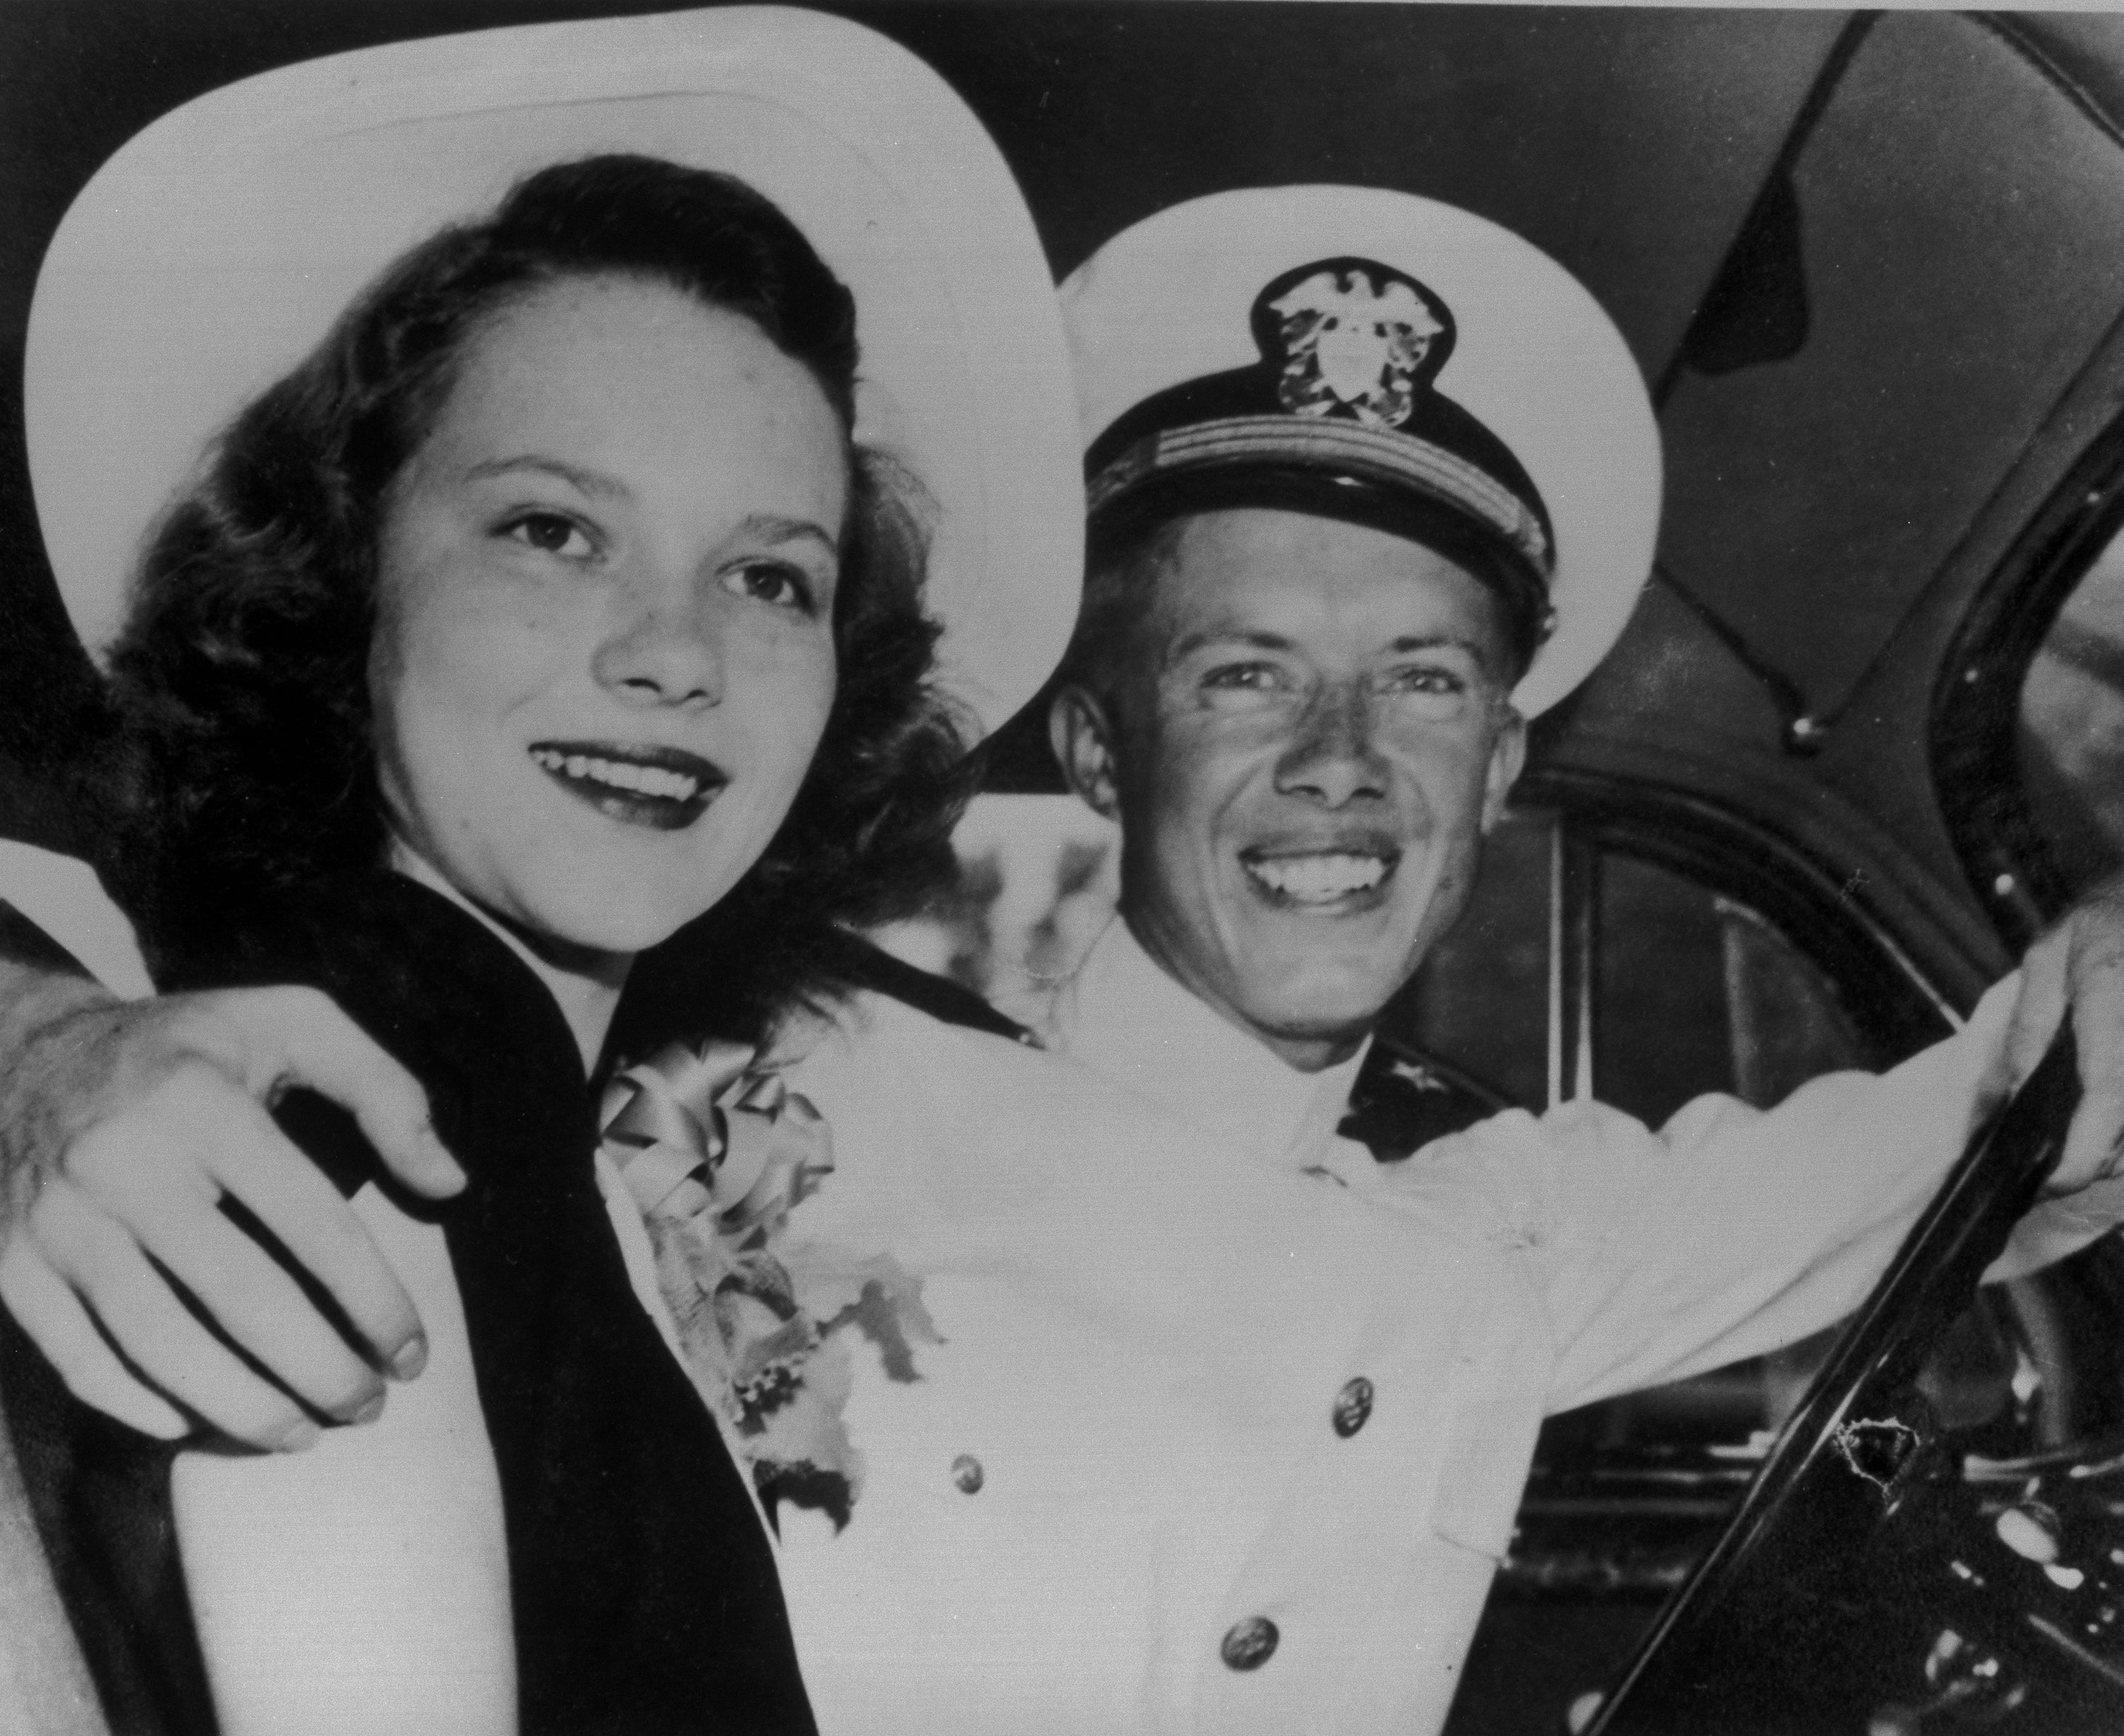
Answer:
(763, 526)
(769, 527)
(592, 482)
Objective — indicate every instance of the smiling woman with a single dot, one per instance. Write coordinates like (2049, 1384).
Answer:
(538, 564)
(601, 519)
(596, 513)
(611, 569)
(554, 601)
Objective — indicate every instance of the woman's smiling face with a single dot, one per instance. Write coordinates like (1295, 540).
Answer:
(604, 653)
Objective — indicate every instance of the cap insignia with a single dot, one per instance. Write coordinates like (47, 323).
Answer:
(1353, 338)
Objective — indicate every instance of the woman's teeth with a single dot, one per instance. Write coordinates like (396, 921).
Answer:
(641, 780)
(1321, 879)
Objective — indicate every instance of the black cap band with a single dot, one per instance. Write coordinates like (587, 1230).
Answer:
(1128, 515)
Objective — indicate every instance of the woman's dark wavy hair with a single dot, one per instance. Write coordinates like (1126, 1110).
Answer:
(243, 666)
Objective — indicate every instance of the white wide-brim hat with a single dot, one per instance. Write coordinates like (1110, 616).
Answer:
(1178, 328)
(214, 250)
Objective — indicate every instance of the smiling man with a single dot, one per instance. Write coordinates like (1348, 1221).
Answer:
(1372, 481)
(1303, 738)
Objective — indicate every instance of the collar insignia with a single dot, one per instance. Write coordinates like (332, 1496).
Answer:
(1352, 338)
(1416, 1074)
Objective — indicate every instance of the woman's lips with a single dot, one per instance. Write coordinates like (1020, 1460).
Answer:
(665, 788)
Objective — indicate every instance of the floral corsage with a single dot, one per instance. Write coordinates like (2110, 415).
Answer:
(717, 1152)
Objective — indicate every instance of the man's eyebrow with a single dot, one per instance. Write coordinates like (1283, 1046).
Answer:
(1488, 658)
(1439, 641)
(592, 482)
(1187, 644)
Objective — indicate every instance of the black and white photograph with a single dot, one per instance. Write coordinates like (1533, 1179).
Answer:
(1002, 868)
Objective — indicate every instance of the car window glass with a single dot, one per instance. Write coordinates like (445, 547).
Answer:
(1694, 992)
(1480, 1000)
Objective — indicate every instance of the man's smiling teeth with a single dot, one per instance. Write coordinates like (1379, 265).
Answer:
(1317, 879)
(642, 780)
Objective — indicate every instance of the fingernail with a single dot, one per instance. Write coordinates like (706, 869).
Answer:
(411, 1357)
(371, 1408)
(303, 1434)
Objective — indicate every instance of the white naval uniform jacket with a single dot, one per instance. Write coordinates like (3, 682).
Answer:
(1123, 1464)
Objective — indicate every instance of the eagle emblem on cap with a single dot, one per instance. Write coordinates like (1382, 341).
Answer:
(1353, 338)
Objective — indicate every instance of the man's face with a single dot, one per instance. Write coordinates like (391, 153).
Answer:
(1309, 737)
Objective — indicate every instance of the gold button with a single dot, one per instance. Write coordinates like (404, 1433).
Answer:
(1353, 1405)
(967, 1473)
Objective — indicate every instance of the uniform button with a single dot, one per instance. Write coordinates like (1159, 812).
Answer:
(1250, 1643)
(967, 1473)
(1353, 1405)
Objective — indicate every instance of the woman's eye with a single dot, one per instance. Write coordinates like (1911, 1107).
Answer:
(549, 532)
(770, 581)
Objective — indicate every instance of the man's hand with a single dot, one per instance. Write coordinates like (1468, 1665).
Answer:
(123, 1126)
(2079, 965)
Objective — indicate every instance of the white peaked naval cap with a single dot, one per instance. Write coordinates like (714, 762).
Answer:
(1374, 354)
(214, 250)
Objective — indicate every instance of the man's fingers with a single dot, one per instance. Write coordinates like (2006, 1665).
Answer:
(153, 1145)
(2092, 1147)
(291, 1197)
(321, 1047)
(162, 1170)
(230, 1147)
(234, 1279)
(2045, 979)
(53, 1317)
(154, 1329)
(2081, 963)
(2098, 1027)
(2094, 985)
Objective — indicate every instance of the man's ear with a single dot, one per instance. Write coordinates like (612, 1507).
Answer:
(1081, 734)
(1507, 756)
